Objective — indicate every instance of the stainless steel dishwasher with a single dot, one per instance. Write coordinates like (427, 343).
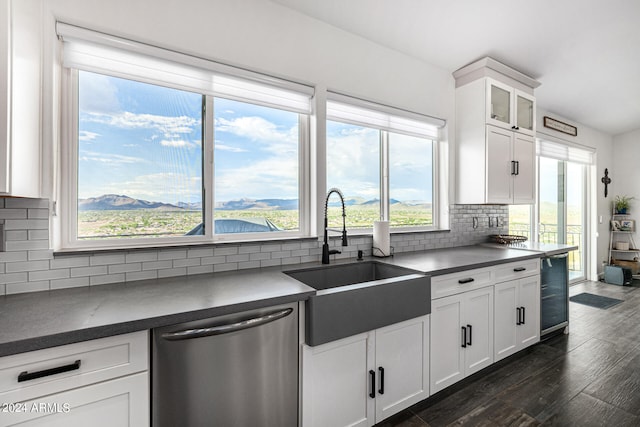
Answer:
(233, 370)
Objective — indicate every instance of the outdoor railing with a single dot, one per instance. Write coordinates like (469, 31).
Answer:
(549, 234)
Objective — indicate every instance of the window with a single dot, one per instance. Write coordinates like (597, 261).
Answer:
(383, 160)
(256, 167)
(139, 159)
(162, 148)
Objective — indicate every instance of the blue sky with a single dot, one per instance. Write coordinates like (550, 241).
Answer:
(145, 141)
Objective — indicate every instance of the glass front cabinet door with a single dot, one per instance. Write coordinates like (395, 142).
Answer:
(510, 108)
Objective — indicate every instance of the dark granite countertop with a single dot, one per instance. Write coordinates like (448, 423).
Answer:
(33, 321)
(443, 261)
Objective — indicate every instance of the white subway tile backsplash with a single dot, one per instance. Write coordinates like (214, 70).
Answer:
(199, 253)
(141, 256)
(106, 259)
(29, 265)
(69, 283)
(106, 279)
(95, 270)
(62, 273)
(18, 288)
(15, 267)
(125, 268)
(40, 255)
(6, 278)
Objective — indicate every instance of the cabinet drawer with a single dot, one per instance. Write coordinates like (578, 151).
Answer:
(516, 270)
(38, 373)
(455, 283)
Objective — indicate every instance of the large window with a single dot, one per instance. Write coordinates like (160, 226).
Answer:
(139, 159)
(257, 174)
(383, 162)
(161, 151)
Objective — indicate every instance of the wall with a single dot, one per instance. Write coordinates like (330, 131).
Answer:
(29, 265)
(261, 36)
(599, 205)
(625, 173)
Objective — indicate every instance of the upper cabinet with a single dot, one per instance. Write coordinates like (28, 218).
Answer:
(510, 108)
(20, 97)
(495, 130)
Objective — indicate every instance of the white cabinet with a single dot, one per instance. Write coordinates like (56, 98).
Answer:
(509, 108)
(510, 170)
(20, 97)
(103, 382)
(363, 379)
(517, 313)
(461, 336)
(495, 128)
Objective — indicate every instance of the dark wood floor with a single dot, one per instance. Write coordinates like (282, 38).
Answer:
(590, 377)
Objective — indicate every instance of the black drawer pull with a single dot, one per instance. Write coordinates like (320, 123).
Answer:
(518, 322)
(27, 376)
(372, 394)
(523, 322)
(519, 269)
(470, 342)
(467, 280)
(464, 337)
(381, 389)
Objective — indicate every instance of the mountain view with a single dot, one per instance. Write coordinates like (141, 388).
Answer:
(123, 202)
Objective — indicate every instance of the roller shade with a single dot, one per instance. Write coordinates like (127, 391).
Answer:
(102, 53)
(569, 153)
(359, 112)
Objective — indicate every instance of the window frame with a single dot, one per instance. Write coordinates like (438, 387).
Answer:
(68, 211)
(385, 209)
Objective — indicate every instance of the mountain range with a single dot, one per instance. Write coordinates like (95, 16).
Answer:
(122, 202)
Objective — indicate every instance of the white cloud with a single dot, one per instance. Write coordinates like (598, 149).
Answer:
(262, 131)
(98, 94)
(86, 136)
(178, 143)
(166, 125)
(230, 148)
(91, 156)
(269, 178)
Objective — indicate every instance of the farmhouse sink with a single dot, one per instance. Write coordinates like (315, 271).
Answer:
(359, 297)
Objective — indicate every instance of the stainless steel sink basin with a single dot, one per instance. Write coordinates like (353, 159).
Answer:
(359, 297)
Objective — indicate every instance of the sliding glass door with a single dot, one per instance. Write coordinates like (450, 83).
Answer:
(560, 213)
(561, 208)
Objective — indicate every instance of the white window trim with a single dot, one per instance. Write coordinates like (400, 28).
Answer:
(65, 233)
(346, 109)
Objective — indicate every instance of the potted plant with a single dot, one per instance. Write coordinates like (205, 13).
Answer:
(622, 204)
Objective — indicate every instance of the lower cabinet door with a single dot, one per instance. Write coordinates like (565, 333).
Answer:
(529, 330)
(478, 315)
(122, 402)
(336, 383)
(506, 321)
(447, 358)
(402, 368)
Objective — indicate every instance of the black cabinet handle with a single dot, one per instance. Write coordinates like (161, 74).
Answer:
(518, 269)
(518, 316)
(372, 374)
(464, 337)
(27, 376)
(513, 167)
(470, 342)
(467, 280)
(523, 314)
(515, 127)
(517, 167)
(381, 389)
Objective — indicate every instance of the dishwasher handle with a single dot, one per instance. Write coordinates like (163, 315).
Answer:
(228, 328)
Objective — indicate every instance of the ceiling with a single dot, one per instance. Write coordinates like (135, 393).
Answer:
(585, 53)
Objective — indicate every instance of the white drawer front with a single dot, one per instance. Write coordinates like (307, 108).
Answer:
(516, 270)
(463, 281)
(85, 363)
